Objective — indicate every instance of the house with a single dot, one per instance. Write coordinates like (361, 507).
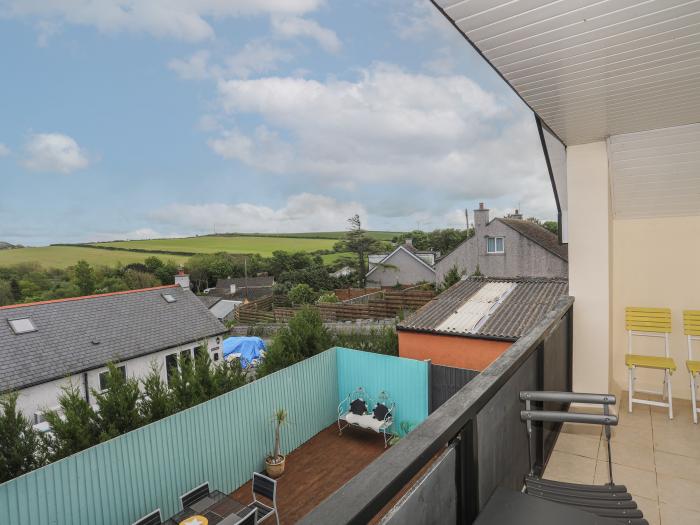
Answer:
(404, 266)
(506, 247)
(44, 345)
(244, 288)
(222, 309)
(477, 319)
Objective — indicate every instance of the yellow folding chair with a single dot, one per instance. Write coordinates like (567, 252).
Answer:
(649, 322)
(691, 324)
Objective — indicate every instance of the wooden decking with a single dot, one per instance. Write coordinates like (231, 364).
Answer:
(318, 468)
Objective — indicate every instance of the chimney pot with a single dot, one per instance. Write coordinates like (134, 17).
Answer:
(481, 205)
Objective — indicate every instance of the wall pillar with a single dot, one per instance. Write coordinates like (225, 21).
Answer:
(590, 265)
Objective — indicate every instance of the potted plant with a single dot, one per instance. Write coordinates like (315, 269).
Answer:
(274, 463)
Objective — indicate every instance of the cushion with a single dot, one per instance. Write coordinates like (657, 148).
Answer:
(380, 411)
(364, 421)
(358, 406)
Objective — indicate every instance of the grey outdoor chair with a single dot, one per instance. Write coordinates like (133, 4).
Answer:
(152, 518)
(609, 500)
(249, 519)
(193, 496)
(267, 488)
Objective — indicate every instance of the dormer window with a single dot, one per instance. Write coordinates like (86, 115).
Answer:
(495, 245)
(169, 298)
(22, 326)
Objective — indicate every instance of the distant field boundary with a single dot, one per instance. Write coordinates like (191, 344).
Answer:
(137, 250)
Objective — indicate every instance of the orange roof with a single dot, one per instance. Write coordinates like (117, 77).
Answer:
(20, 305)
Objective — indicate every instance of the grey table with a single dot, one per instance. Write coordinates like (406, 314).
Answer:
(510, 507)
(215, 507)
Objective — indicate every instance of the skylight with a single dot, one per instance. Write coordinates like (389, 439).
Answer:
(22, 326)
(169, 298)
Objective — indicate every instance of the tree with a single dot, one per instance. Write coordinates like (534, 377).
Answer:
(18, 440)
(152, 264)
(75, 429)
(136, 280)
(6, 296)
(228, 376)
(358, 242)
(16, 290)
(157, 401)
(329, 297)
(182, 382)
(302, 294)
(552, 226)
(84, 277)
(451, 277)
(118, 404)
(303, 337)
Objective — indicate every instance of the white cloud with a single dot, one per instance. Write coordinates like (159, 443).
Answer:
(302, 212)
(54, 152)
(4, 150)
(194, 67)
(389, 127)
(133, 235)
(294, 26)
(181, 19)
(256, 56)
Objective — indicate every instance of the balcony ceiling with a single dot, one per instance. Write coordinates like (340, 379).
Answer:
(592, 69)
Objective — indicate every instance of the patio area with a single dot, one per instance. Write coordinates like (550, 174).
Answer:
(318, 468)
(656, 458)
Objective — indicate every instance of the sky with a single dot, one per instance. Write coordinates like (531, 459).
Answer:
(141, 119)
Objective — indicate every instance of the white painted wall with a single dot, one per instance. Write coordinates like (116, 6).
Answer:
(656, 263)
(45, 396)
(590, 265)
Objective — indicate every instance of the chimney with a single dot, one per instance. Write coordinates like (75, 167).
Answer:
(517, 215)
(481, 218)
(232, 289)
(409, 242)
(182, 278)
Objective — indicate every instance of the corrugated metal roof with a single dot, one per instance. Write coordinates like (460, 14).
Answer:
(476, 308)
(592, 68)
(527, 301)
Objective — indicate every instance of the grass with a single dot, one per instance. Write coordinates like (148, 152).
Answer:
(64, 256)
(262, 245)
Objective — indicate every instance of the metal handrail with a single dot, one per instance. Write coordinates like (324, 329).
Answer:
(569, 397)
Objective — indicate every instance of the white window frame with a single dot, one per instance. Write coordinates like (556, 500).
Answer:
(99, 376)
(18, 330)
(495, 245)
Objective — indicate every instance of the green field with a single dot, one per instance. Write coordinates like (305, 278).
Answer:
(63, 256)
(262, 245)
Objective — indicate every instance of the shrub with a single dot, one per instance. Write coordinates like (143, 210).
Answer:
(18, 440)
(329, 297)
(301, 294)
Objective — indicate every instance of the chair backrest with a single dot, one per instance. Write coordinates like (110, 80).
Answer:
(691, 328)
(153, 518)
(264, 486)
(655, 322)
(194, 495)
(249, 519)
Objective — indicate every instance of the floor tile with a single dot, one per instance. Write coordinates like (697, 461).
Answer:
(650, 509)
(639, 482)
(570, 468)
(677, 466)
(592, 431)
(678, 442)
(631, 455)
(673, 515)
(581, 445)
(680, 492)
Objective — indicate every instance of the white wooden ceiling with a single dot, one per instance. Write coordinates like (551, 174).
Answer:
(591, 69)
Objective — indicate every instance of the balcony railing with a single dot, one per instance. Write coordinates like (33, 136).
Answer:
(479, 431)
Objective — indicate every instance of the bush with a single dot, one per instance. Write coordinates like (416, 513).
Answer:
(18, 440)
(76, 430)
(302, 294)
(118, 404)
(379, 341)
(329, 297)
(303, 337)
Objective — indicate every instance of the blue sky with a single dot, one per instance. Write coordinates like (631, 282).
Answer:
(125, 119)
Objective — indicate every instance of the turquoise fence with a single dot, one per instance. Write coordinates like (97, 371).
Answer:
(221, 441)
(405, 380)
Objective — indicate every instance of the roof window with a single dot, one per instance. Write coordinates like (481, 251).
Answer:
(22, 326)
(169, 298)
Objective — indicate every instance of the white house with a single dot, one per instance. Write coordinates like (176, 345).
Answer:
(46, 345)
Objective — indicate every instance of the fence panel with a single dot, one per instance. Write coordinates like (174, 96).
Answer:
(446, 381)
(221, 441)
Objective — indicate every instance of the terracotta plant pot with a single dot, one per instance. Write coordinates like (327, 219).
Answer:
(274, 469)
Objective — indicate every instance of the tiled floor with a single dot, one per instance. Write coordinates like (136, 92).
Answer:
(656, 458)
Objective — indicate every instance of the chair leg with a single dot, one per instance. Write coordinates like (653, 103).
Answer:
(693, 399)
(630, 388)
(670, 394)
(277, 516)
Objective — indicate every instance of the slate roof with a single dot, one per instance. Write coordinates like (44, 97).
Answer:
(540, 235)
(209, 300)
(515, 315)
(250, 282)
(124, 325)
